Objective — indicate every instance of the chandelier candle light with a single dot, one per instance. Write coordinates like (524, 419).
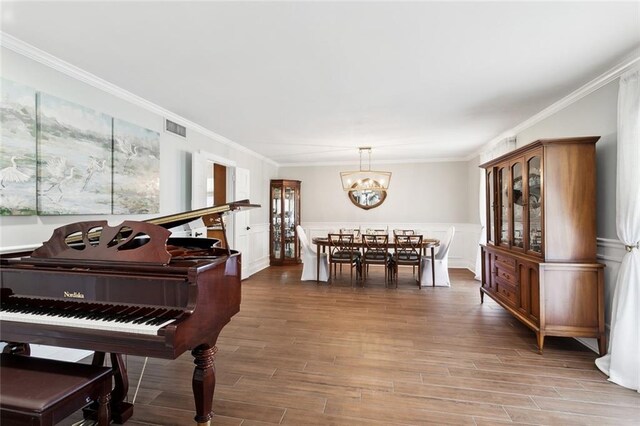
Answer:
(365, 178)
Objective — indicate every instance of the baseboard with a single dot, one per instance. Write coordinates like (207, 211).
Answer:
(589, 343)
(258, 265)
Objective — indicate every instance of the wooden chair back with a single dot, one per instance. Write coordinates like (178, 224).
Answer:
(408, 249)
(376, 247)
(341, 249)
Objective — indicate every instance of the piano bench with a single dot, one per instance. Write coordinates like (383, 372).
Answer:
(36, 391)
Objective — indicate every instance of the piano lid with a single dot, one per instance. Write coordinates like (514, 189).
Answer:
(131, 241)
(209, 215)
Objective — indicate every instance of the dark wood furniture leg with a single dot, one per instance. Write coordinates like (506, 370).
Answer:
(104, 409)
(318, 264)
(204, 383)
(121, 411)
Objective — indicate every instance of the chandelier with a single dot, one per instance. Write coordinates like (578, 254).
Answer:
(365, 178)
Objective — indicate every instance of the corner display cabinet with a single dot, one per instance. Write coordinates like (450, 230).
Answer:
(285, 215)
(539, 262)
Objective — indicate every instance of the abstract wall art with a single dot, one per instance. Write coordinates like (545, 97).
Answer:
(17, 149)
(74, 158)
(136, 169)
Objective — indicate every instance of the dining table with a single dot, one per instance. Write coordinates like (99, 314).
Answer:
(427, 243)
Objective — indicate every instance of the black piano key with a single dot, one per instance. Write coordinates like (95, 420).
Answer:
(130, 315)
(136, 315)
(115, 315)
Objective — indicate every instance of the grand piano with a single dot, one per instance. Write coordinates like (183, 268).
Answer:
(129, 289)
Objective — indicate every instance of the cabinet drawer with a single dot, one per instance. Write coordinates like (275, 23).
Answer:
(507, 275)
(507, 291)
(505, 262)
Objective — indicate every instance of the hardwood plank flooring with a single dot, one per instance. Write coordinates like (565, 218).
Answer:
(305, 354)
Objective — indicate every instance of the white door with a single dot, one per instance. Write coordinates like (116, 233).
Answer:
(241, 219)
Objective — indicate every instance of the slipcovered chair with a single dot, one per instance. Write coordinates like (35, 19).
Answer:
(309, 259)
(441, 263)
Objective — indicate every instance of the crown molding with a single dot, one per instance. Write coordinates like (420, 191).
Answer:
(12, 43)
(595, 84)
(22, 48)
(377, 162)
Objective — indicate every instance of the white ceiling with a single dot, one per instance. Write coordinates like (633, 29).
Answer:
(309, 82)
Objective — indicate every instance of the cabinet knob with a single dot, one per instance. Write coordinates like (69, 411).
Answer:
(248, 227)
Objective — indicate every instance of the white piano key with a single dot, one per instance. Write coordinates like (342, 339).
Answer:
(113, 325)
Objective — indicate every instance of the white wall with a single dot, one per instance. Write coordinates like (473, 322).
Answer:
(594, 114)
(175, 169)
(427, 196)
(175, 154)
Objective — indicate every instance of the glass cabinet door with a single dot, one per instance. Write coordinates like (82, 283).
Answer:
(285, 216)
(289, 222)
(517, 206)
(276, 225)
(503, 213)
(534, 204)
(492, 213)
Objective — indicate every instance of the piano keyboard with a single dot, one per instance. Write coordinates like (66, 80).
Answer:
(95, 316)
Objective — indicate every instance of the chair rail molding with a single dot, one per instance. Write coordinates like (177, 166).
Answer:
(610, 252)
(463, 248)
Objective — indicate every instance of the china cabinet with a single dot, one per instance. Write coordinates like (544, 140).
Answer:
(285, 215)
(539, 262)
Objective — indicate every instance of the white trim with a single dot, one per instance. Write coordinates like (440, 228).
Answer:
(573, 97)
(610, 243)
(355, 163)
(463, 249)
(610, 250)
(15, 249)
(32, 52)
(590, 343)
(217, 159)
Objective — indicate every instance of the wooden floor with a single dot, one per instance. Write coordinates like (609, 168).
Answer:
(302, 354)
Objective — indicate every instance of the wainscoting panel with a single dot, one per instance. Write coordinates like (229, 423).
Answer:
(462, 253)
(610, 252)
(258, 256)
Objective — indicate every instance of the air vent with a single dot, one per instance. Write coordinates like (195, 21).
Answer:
(175, 128)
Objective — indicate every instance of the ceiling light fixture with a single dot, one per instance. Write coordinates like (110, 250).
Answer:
(365, 178)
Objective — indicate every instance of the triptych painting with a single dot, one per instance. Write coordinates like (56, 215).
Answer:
(17, 150)
(62, 158)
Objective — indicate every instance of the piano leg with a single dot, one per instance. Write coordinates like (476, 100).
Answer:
(121, 411)
(204, 382)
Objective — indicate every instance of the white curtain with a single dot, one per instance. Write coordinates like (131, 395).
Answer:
(622, 362)
(502, 147)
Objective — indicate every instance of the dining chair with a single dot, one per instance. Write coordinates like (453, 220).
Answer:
(441, 263)
(407, 251)
(375, 252)
(404, 232)
(355, 231)
(342, 252)
(310, 259)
